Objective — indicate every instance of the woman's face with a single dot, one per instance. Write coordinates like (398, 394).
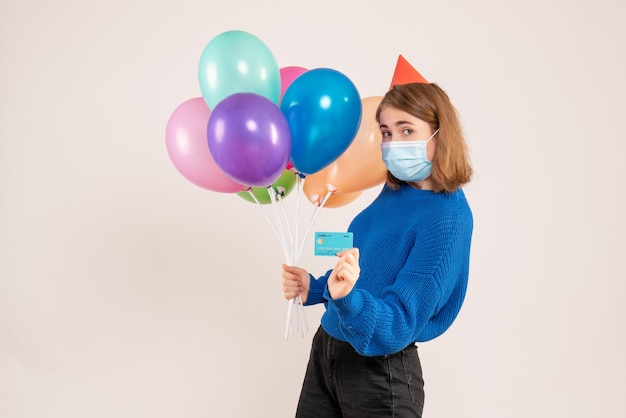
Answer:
(398, 125)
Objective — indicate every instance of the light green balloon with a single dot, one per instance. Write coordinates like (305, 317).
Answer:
(238, 62)
(283, 186)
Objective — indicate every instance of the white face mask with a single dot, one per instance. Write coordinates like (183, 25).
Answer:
(408, 160)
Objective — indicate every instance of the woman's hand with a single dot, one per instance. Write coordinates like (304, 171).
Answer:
(295, 282)
(345, 274)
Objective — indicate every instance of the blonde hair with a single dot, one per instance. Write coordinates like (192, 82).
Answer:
(428, 102)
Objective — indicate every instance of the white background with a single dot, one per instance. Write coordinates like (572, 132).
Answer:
(126, 291)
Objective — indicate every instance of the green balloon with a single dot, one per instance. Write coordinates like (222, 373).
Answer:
(238, 62)
(282, 186)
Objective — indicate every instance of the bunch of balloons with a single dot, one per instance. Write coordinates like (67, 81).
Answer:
(258, 125)
(259, 131)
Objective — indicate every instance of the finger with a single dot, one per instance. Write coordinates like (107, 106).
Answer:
(347, 261)
(290, 269)
(353, 250)
(344, 274)
(349, 272)
(333, 275)
(337, 271)
(352, 253)
(292, 281)
(291, 295)
(292, 289)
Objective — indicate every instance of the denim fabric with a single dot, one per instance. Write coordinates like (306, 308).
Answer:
(339, 382)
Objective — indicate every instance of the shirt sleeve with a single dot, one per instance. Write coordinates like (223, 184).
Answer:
(317, 289)
(388, 324)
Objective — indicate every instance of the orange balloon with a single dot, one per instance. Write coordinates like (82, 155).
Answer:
(361, 165)
(341, 199)
(315, 188)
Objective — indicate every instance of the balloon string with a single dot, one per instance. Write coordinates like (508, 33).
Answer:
(284, 214)
(298, 300)
(283, 242)
(300, 184)
(289, 314)
(300, 317)
(314, 217)
(298, 324)
(331, 190)
(269, 221)
(306, 324)
(298, 260)
(289, 255)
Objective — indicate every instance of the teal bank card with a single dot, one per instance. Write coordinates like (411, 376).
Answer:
(330, 243)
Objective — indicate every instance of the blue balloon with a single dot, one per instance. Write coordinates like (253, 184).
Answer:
(323, 109)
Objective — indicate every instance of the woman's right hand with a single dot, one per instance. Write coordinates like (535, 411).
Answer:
(295, 282)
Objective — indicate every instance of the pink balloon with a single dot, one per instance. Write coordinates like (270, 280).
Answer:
(187, 146)
(287, 75)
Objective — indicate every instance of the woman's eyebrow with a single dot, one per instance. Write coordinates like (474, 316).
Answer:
(398, 123)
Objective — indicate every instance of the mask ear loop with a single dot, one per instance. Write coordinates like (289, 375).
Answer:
(432, 136)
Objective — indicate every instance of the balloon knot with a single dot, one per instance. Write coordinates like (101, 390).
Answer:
(315, 199)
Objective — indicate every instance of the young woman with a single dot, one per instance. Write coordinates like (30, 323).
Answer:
(405, 280)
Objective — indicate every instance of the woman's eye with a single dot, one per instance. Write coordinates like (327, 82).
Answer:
(407, 131)
(386, 134)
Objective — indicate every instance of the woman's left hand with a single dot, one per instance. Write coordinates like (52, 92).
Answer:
(345, 274)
